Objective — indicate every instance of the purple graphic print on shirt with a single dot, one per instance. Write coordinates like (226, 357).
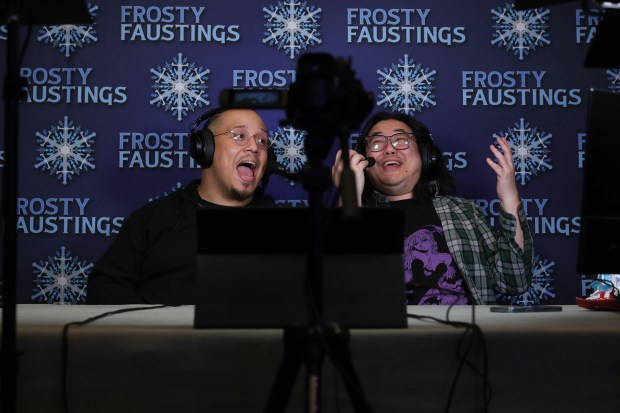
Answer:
(427, 266)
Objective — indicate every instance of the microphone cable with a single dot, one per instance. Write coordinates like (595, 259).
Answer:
(65, 342)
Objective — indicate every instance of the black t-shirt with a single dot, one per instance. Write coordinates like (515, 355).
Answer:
(153, 258)
(431, 276)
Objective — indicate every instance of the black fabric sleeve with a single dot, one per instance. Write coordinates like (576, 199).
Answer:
(114, 278)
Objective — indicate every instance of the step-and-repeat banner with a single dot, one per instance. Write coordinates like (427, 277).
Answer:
(104, 127)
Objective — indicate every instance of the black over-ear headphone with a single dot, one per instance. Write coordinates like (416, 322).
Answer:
(201, 142)
(429, 156)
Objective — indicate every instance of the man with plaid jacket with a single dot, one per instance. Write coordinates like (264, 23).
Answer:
(452, 255)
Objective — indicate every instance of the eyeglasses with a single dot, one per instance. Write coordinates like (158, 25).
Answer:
(399, 141)
(242, 137)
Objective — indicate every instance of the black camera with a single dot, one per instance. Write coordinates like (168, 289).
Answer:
(326, 100)
(326, 92)
(327, 95)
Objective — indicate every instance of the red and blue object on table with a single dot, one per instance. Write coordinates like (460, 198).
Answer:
(606, 295)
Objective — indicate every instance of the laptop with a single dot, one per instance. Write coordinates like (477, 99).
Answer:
(599, 238)
(253, 263)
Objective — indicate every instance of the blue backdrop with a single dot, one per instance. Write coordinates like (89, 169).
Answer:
(104, 128)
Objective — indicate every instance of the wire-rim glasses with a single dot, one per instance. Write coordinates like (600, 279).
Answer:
(242, 137)
(399, 141)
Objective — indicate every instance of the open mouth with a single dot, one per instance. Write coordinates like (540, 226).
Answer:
(247, 170)
(391, 163)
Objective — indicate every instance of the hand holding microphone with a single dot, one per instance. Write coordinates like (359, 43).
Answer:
(355, 161)
(358, 163)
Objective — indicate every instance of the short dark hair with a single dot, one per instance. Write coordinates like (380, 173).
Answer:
(435, 178)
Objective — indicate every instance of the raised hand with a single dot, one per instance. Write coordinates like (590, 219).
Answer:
(506, 186)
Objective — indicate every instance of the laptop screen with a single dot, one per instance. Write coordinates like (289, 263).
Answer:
(599, 239)
(253, 267)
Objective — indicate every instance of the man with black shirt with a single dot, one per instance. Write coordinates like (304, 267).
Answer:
(153, 258)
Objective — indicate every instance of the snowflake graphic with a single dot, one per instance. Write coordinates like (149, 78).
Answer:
(406, 87)
(292, 26)
(288, 146)
(61, 279)
(174, 188)
(541, 289)
(520, 31)
(68, 37)
(4, 32)
(180, 87)
(530, 150)
(65, 150)
(613, 75)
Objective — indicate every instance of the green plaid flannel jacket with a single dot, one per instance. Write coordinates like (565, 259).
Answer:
(489, 259)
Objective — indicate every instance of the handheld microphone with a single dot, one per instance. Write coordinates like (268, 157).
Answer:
(371, 161)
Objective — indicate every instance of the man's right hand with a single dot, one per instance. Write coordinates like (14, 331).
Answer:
(357, 163)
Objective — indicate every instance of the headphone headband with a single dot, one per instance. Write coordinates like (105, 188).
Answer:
(208, 117)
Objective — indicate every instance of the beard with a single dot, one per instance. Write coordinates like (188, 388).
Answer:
(244, 194)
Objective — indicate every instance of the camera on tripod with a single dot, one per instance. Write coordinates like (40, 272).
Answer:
(326, 94)
(325, 100)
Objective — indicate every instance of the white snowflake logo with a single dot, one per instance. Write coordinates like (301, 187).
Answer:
(530, 150)
(288, 146)
(292, 26)
(4, 32)
(406, 87)
(61, 279)
(175, 187)
(68, 37)
(520, 31)
(542, 286)
(65, 150)
(613, 75)
(180, 87)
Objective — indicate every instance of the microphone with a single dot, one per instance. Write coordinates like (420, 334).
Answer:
(279, 171)
(371, 161)
(273, 168)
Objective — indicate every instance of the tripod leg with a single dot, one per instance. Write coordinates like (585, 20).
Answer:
(294, 346)
(340, 346)
(314, 361)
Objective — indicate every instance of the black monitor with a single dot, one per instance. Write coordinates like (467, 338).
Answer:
(252, 266)
(599, 239)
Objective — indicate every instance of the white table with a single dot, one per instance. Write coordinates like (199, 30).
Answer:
(154, 361)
